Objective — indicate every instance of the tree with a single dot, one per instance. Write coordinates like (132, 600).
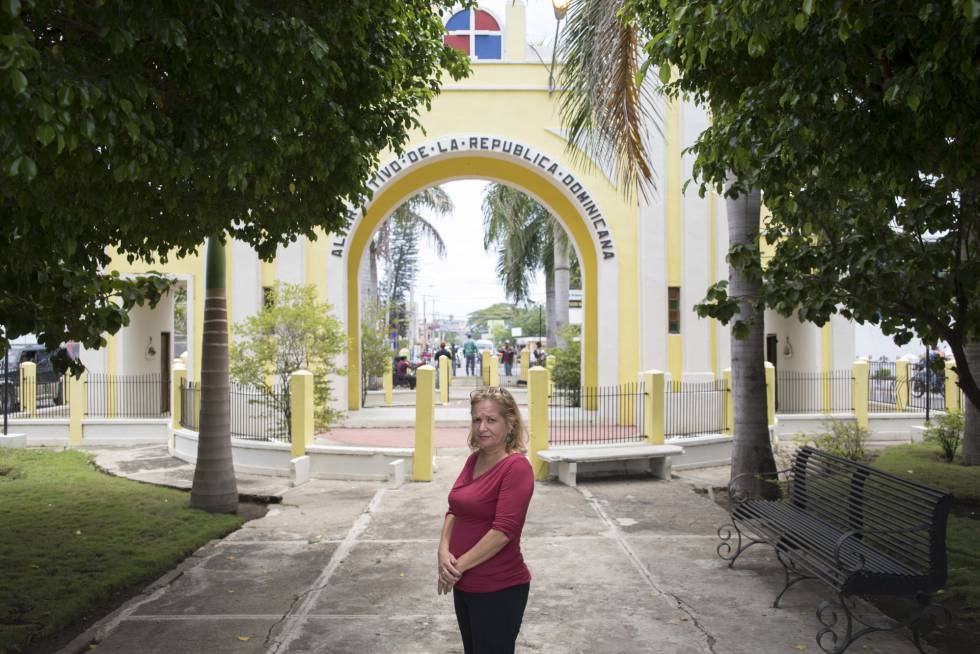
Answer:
(528, 238)
(605, 109)
(140, 129)
(295, 332)
(858, 122)
(375, 344)
(214, 487)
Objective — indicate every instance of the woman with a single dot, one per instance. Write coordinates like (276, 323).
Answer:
(480, 549)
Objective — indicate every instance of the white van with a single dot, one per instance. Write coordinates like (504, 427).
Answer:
(484, 344)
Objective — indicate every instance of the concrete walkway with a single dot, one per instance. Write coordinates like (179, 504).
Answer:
(349, 567)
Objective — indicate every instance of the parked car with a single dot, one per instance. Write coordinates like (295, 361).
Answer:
(50, 384)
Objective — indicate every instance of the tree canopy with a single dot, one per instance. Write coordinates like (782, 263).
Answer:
(147, 127)
(858, 122)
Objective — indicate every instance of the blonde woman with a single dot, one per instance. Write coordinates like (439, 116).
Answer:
(479, 555)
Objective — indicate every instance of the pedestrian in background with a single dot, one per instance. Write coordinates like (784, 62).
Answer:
(469, 353)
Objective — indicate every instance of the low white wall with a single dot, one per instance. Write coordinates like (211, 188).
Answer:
(702, 451)
(53, 432)
(884, 427)
(326, 461)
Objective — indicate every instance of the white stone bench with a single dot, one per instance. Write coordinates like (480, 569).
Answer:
(611, 459)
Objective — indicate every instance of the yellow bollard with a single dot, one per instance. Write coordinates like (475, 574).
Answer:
(494, 371)
(485, 366)
(539, 381)
(859, 392)
(525, 364)
(388, 382)
(902, 385)
(425, 418)
(77, 405)
(178, 377)
(726, 374)
(952, 390)
(444, 380)
(654, 415)
(771, 393)
(28, 389)
(301, 410)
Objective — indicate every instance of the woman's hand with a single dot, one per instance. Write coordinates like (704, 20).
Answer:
(448, 573)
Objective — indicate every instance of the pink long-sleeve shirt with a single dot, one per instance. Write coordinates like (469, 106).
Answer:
(498, 499)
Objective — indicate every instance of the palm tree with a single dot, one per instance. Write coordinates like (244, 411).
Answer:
(214, 488)
(528, 239)
(605, 111)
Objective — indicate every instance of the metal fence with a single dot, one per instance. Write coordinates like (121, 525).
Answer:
(882, 389)
(256, 415)
(127, 396)
(813, 392)
(50, 399)
(693, 408)
(601, 414)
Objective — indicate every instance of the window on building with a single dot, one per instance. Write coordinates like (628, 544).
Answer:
(475, 32)
(674, 310)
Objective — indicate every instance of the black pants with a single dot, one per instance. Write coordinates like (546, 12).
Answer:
(490, 622)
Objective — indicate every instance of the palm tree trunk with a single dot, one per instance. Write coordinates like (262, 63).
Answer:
(214, 488)
(549, 304)
(561, 282)
(971, 432)
(751, 449)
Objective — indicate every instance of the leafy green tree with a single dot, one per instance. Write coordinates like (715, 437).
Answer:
(857, 120)
(568, 360)
(214, 487)
(295, 332)
(140, 129)
(375, 344)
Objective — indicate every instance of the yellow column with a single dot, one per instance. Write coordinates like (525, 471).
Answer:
(77, 404)
(444, 380)
(902, 382)
(674, 228)
(859, 392)
(178, 378)
(387, 381)
(525, 364)
(654, 416)
(494, 377)
(485, 366)
(952, 390)
(425, 418)
(726, 374)
(317, 253)
(539, 381)
(301, 409)
(770, 393)
(28, 389)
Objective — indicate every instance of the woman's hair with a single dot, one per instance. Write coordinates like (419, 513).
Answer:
(517, 435)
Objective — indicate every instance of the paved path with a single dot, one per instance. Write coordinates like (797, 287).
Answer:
(349, 567)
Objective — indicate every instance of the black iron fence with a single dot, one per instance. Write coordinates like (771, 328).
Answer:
(693, 408)
(882, 386)
(127, 396)
(50, 398)
(813, 392)
(256, 414)
(925, 389)
(601, 414)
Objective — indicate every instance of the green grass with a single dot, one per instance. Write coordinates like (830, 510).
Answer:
(72, 539)
(922, 463)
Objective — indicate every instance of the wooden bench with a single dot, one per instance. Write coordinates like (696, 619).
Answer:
(654, 459)
(859, 530)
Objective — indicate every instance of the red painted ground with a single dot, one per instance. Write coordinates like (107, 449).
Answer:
(393, 436)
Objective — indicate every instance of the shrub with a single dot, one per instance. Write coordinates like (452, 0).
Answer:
(947, 433)
(846, 439)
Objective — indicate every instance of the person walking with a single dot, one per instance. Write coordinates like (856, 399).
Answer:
(469, 353)
(441, 352)
(479, 557)
(507, 358)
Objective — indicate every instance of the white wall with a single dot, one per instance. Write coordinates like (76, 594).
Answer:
(246, 286)
(134, 340)
(291, 262)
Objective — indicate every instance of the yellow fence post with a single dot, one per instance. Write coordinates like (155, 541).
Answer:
(28, 389)
(485, 367)
(77, 405)
(494, 379)
(902, 383)
(859, 392)
(425, 419)
(444, 380)
(388, 382)
(525, 364)
(726, 374)
(538, 384)
(301, 411)
(771, 394)
(654, 416)
(178, 378)
(952, 390)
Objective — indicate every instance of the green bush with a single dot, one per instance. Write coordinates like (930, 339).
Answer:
(846, 439)
(947, 433)
(568, 360)
(883, 373)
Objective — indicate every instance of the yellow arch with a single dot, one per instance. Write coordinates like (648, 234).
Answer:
(467, 167)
